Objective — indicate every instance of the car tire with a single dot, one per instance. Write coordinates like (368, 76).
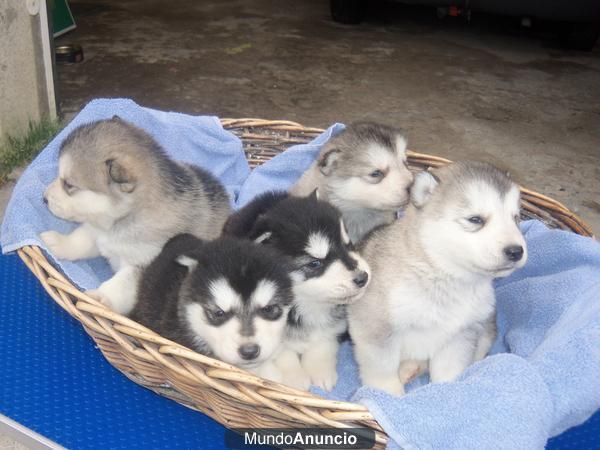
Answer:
(347, 11)
(580, 36)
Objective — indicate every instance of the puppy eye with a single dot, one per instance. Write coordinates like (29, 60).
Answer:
(376, 174)
(217, 316)
(314, 264)
(476, 220)
(67, 186)
(271, 312)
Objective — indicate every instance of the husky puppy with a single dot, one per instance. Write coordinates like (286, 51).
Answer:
(363, 172)
(431, 295)
(130, 198)
(327, 276)
(226, 298)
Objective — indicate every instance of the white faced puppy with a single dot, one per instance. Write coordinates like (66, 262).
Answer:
(431, 302)
(130, 198)
(226, 298)
(363, 172)
(327, 275)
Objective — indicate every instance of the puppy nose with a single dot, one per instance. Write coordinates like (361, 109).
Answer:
(45, 200)
(361, 279)
(514, 252)
(249, 351)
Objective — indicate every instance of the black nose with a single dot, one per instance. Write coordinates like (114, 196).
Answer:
(45, 200)
(361, 279)
(249, 351)
(514, 252)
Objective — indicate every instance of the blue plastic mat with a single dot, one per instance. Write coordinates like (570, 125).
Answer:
(55, 382)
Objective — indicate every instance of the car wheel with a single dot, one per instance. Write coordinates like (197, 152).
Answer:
(580, 36)
(347, 11)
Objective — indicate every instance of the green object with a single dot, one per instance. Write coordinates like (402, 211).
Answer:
(62, 18)
(18, 150)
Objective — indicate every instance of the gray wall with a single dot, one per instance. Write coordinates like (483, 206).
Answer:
(26, 81)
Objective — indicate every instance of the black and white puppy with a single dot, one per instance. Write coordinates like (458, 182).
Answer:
(327, 275)
(227, 298)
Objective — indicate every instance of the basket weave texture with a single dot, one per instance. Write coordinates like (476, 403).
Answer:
(233, 397)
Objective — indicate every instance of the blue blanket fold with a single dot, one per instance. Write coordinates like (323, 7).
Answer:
(281, 172)
(544, 373)
(485, 408)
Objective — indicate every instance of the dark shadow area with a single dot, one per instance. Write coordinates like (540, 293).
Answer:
(550, 34)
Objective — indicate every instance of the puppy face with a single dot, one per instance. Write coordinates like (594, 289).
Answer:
(328, 270)
(82, 194)
(237, 303)
(470, 221)
(94, 185)
(365, 166)
(312, 234)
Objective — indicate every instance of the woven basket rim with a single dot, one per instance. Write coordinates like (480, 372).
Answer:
(123, 340)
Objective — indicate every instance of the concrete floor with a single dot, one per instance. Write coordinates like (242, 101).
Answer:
(484, 90)
(7, 443)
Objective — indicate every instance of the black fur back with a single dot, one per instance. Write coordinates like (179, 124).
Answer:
(241, 223)
(212, 186)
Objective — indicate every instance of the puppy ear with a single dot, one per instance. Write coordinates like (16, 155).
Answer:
(314, 195)
(422, 188)
(186, 261)
(344, 232)
(263, 237)
(180, 247)
(120, 175)
(262, 231)
(400, 142)
(327, 160)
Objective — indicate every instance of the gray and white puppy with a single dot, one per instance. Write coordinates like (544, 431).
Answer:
(431, 302)
(130, 198)
(363, 172)
(226, 298)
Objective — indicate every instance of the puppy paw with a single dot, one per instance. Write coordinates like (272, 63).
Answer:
(411, 369)
(320, 365)
(269, 371)
(299, 380)
(323, 376)
(55, 243)
(119, 293)
(391, 385)
(99, 297)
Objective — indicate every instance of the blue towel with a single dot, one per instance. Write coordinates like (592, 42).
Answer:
(197, 140)
(544, 375)
(281, 172)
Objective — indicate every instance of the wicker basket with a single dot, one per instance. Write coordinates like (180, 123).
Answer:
(233, 397)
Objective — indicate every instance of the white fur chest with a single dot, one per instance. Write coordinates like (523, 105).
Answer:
(319, 323)
(125, 249)
(427, 315)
